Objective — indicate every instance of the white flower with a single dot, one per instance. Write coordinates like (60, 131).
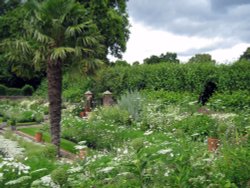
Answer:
(148, 133)
(164, 151)
(39, 170)
(107, 169)
(10, 148)
(80, 147)
(73, 170)
(82, 142)
(195, 134)
(18, 181)
(192, 103)
(125, 151)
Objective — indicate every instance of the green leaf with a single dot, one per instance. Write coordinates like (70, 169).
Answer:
(61, 53)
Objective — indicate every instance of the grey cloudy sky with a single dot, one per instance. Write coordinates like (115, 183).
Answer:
(207, 25)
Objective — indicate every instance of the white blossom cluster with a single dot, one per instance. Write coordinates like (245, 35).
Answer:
(10, 164)
(223, 116)
(45, 181)
(10, 148)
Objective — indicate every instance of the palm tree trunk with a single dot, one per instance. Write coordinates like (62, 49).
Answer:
(54, 75)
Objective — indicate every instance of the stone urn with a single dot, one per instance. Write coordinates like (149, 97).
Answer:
(213, 144)
(39, 137)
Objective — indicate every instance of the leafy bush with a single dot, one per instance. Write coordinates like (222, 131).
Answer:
(49, 151)
(2, 89)
(14, 92)
(198, 126)
(111, 114)
(237, 100)
(132, 102)
(59, 176)
(235, 164)
(27, 90)
(25, 116)
(38, 117)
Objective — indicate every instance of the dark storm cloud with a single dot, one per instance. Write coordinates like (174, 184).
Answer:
(202, 18)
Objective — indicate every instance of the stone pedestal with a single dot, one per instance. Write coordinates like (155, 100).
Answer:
(107, 98)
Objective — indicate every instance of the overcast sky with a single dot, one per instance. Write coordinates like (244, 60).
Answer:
(187, 27)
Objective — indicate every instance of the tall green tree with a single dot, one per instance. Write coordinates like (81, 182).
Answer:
(111, 18)
(57, 31)
(16, 73)
(168, 57)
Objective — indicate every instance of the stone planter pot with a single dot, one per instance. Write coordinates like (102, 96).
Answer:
(213, 144)
(39, 137)
(82, 114)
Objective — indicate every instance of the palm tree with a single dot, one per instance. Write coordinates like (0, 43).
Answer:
(57, 31)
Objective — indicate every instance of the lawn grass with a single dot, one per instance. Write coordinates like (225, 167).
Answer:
(65, 144)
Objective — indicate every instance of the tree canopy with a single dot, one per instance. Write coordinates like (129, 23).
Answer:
(168, 57)
(111, 21)
(201, 58)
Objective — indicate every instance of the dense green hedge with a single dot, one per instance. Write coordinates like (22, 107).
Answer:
(173, 77)
(164, 76)
(26, 90)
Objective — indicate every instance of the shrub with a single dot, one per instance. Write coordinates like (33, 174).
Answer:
(111, 114)
(198, 126)
(59, 176)
(49, 151)
(38, 117)
(2, 89)
(234, 163)
(131, 102)
(27, 90)
(14, 92)
(235, 101)
(25, 116)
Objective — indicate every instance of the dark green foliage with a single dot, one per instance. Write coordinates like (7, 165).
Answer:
(236, 101)
(59, 176)
(169, 57)
(198, 126)
(201, 58)
(2, 89)
(246, 55)
(111, 19)
(14, 92)
(235, 164)
(27, 90)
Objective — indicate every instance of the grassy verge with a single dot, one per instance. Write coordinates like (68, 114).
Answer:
(65, 144)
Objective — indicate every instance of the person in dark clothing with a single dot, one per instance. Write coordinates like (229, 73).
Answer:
(209, 89)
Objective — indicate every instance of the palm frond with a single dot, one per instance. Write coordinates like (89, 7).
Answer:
(17, 47)
(38, 36)
(61, 53)
(75, 30)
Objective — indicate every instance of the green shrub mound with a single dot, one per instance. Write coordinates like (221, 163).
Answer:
(26, 90)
